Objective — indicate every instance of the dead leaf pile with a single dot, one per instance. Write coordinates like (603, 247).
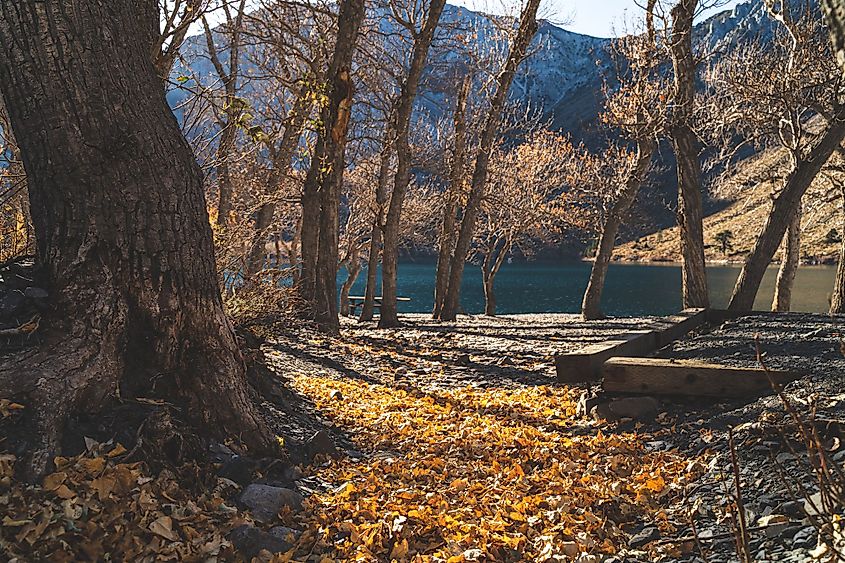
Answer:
(94, 508)
(479, 474)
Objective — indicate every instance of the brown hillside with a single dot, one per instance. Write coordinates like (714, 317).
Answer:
(748, 191)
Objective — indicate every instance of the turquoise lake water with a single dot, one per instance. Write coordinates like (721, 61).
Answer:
(631, 290)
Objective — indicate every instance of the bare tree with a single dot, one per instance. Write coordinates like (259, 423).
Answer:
(321, 192)
(400, 128)
(452, 197)
(176, 18)
(785, 94)
(686, 147)
(636, 109)
(230, 109)
(521, 209)
(525, 32)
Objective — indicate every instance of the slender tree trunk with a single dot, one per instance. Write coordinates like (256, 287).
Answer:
(837, 300)
(789, 263)
(489, 268)
(231, 111)
(591, 304)
(448, 230)
(527, 30)
(368, 308)
(321, 192)
(353, 268)
(282, 162)
(388, 316)
(124, 243)
(686, 147)
(796, 184)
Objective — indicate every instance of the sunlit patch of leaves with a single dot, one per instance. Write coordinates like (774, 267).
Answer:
(479, 474)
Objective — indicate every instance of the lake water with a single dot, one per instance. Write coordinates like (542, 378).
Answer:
(631, 289)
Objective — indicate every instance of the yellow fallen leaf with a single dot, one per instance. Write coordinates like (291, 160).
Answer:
(459, 484)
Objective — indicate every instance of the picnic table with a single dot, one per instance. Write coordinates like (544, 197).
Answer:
(356, 301)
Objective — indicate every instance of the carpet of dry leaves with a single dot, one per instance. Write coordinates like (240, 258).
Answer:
(472, 474)
(454, 475)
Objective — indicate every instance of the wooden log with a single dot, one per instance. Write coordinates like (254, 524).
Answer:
(658, 376)
(584, 365)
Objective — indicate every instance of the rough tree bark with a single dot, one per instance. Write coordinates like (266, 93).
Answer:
(402, 112)
(782, 301)
(281, 157)
(519, 49)
(123, 239)
(448, 231)
(321, 192)
(228, 120)
(591, 304)
(686, 148)
(796, 183)
(368, 308)
(834, 11)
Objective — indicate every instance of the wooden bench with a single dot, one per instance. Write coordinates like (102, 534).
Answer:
(356, 301)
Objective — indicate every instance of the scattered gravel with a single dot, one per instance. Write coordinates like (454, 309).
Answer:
(518, 350)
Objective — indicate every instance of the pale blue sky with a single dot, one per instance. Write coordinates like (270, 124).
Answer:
(599, 18)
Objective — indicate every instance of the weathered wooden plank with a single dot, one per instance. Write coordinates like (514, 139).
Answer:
(659, 376)
(585, 364)
(677, 326)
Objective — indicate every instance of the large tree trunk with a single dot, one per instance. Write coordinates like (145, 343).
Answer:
(591, 304)
(789, 263)
(321, 192)
(802, 175)
(124, 242)
(402, 123)
(368, 308)
(686, 147)
(518, 51)
(448, 229)
(837, 300)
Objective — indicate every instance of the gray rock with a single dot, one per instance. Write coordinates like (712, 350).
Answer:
(284, 533)
(12, 303)
(805, 538)
(638, 408)
(36, 293)
(321, 443)
(645, 536)
(265, 501)
(586, 402)
(251, 541)
(792, 508)
(238, 469)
